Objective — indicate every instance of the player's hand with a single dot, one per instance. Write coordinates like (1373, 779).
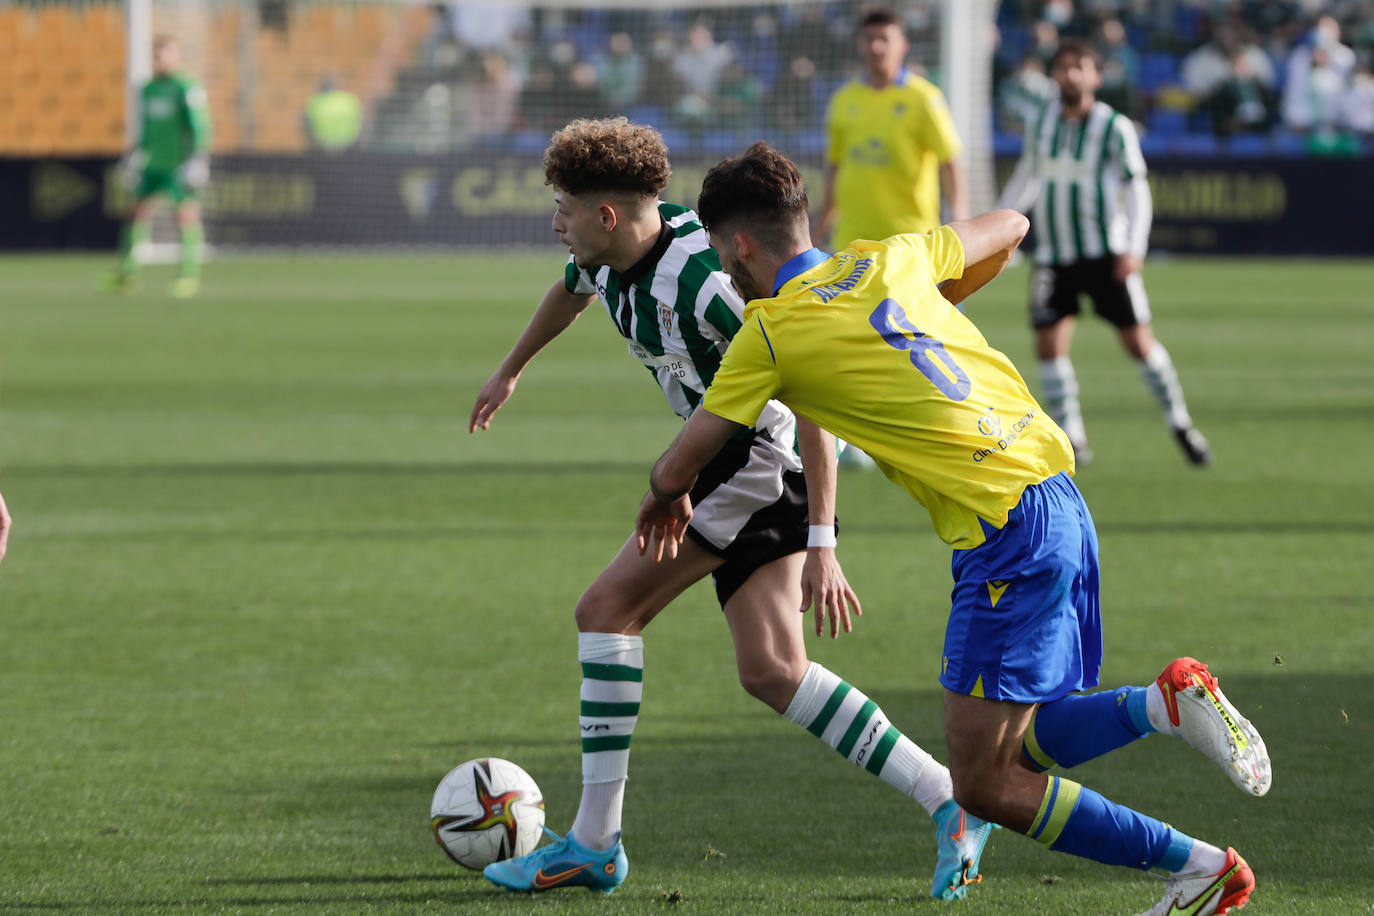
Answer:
(4, 526)
(1124, 265)
(824, 585)
(662, 525)
(195, 172)
(494, 393)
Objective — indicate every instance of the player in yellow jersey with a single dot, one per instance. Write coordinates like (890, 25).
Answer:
(868, 344)
(892, 144)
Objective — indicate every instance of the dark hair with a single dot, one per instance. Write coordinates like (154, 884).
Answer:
(609, 154)
(762, 188)
(1077, 49)
(879, 15)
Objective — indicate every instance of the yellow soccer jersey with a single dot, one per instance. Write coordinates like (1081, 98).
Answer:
(887, 145)
(863, 344)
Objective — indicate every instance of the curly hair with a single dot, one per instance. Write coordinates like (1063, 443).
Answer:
(608, 154)
(762, 188)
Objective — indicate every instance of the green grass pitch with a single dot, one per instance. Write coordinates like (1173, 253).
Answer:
(264, 590)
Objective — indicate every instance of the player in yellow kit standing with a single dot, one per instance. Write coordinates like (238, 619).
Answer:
(891, 145)
(867, 344)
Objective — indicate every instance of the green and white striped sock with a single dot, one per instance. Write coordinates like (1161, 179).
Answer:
(851, 723)
(612, 686)
(1157, 369)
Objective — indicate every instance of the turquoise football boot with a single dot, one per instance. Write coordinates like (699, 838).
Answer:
(562, 863)
(961, 838)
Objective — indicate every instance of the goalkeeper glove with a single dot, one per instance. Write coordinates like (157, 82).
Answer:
(130, 168)
(195, 172)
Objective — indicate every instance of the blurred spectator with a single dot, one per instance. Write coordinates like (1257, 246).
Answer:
(1358, 105)
(1318, 73)
(441, 39)
(807, 32)
(699, 64)
(560, 87)
(1242, 103)
(737, 99)
(1205, 69)
(485, 26)
(793, 105)
(620, 73)
(1022, 94)
(1314, 102)
(492, 97)
(580, 97)
(758, 51)
(1120, 68)
(1062, 15)
(1044, 41)
(539, 99)
(662, 89)
(333, 118)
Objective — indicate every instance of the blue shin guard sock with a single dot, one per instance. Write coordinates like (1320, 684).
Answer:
(1081, 726)
(1080, 822)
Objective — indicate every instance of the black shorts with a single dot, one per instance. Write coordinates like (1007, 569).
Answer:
(754, 508)
(1055, 290)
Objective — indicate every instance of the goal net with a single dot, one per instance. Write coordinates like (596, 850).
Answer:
(376, 123)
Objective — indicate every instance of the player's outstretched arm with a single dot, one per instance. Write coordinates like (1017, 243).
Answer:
(666, 510)
(4, 526)
(555, 314)
(823, 580)
(988, 242)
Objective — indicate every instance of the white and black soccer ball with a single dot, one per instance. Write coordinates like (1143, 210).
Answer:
(487, 810)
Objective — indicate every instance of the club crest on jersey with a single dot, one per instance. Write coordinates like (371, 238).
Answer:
(666, 316)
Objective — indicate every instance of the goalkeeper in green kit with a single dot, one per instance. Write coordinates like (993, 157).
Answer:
(171, 159)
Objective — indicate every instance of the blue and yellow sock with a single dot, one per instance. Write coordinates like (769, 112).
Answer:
(1082, 726)
(1078, 821)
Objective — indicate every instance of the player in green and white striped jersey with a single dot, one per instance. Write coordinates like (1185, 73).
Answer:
(1082, 169)
(765, 533)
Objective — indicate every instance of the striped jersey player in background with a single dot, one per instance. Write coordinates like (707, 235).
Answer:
(763, 531)
(172, 159)
(1083, 172)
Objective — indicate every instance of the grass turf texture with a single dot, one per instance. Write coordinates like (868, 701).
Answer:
(264, 590)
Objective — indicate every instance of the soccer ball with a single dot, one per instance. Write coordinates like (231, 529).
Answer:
(487, 810)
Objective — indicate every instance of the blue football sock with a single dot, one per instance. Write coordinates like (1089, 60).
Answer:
(1082, 726)
(1080, 822)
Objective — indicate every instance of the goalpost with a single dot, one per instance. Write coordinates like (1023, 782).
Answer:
(458, 100)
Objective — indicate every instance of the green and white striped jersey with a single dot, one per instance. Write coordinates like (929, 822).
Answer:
(1087, 180)
(677, 311)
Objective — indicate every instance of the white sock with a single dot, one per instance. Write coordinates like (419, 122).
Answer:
(1059, 384)
(1157, 368)
(1204, 859)
(857, 728)
(612, 687)
(1157, 712)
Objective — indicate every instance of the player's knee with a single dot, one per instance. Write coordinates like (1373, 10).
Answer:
(602, 610)
(769, 679)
